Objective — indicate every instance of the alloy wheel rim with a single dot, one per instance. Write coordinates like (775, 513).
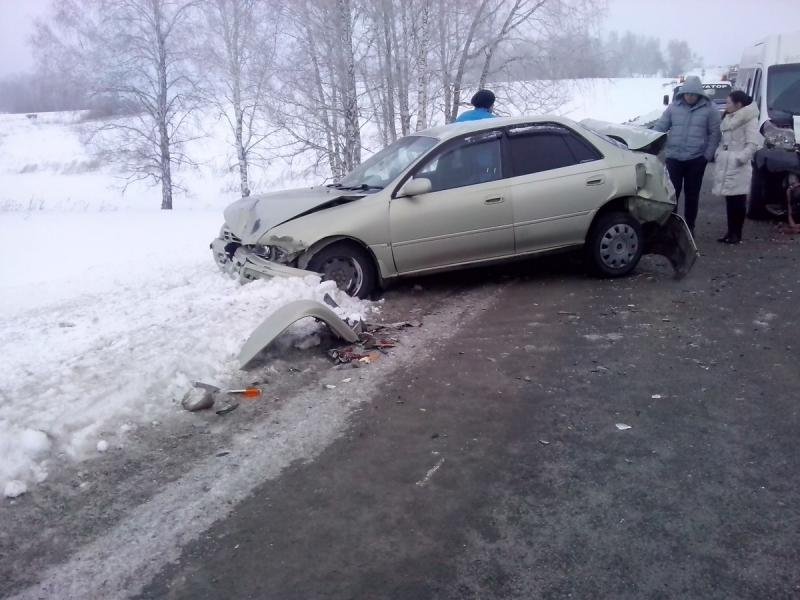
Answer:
(346, 272)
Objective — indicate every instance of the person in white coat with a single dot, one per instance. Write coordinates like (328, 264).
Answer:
(732, 171)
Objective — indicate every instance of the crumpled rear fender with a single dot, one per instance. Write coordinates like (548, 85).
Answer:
(286, 315)
(673, 240)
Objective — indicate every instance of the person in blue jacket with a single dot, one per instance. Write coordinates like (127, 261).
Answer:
(693, 126)
(483, 101)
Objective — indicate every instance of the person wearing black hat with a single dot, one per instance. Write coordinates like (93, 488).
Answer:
(483, 101)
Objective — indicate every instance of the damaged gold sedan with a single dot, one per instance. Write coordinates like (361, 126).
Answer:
(467, 194)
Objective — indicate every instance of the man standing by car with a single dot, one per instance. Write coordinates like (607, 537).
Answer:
(483, 101)
(692, 123)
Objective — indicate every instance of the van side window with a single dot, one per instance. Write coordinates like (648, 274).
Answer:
(756, 93)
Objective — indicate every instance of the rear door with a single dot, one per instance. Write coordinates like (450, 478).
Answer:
(466, 217)
(558, 179)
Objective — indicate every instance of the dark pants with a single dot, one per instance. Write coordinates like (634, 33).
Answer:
(687, 175)
(737, 209)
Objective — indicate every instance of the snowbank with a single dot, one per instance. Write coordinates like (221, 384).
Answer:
(114, 340)
(616, 100)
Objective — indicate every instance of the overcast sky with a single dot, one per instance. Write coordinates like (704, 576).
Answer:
(715, 29)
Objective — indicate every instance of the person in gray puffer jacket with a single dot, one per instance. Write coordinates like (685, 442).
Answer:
(693, 126)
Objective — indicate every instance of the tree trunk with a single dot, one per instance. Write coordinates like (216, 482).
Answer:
(462, 62)
(349, 92)
(389, 69)
(402, 69)
(444, 67)
(422, 68)
(165, 160)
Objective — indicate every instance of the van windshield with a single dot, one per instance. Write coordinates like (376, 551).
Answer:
(783, 91)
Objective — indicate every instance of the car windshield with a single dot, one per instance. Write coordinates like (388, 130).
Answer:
(783, 90)
(382, 168)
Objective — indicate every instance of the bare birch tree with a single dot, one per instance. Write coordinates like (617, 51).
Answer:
(133, 50)
(318, 101)
(237, 56)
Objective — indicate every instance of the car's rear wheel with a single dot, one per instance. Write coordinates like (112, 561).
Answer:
(349, 265)
(614, 245)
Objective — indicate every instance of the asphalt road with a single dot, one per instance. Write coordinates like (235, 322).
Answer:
(494, 467)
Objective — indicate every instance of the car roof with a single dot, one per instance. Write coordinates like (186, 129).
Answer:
(451, 130)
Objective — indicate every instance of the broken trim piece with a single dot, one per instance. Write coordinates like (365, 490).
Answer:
(286, 315)
(674, 240)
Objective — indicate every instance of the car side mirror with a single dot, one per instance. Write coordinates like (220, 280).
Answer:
(666, 100)
(415, 187)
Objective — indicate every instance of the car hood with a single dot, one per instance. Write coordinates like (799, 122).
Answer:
(251, 217)
(635, 138)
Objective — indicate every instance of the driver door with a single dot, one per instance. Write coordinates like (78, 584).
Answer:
(466, 217)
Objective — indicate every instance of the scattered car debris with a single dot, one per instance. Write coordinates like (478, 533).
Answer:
(623, 426)
(202, 396)
(250, 393)
(544, 442)
(197, 398)
(430, 473)
(227, 409)
(345, 355)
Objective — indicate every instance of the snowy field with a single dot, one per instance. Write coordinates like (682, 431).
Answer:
(109, 306)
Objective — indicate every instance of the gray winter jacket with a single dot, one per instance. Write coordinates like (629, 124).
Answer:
(693, 130)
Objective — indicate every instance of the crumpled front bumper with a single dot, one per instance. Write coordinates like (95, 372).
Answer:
(245, 264)
(674, 241)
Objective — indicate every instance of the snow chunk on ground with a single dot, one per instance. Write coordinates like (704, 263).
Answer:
(14, 489)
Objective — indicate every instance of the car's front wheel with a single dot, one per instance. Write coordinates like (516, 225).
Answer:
(614, 245)
(349, 265)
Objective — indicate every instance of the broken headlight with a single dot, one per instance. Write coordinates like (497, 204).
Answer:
(273, 253)
(779, 138)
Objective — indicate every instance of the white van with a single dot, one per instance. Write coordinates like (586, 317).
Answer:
(770, 72)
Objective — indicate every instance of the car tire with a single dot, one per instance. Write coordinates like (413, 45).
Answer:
(614, 245)
(349, 265)
(756, 208)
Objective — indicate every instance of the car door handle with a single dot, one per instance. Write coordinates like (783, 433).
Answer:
(497, 200)
(596, 181)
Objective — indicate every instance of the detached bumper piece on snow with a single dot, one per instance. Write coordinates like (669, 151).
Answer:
(281, 319)
(238, 260)
(673, 240)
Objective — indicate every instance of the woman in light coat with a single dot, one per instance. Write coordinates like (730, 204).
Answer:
(740, 140)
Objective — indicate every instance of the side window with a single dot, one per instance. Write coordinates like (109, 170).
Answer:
(581, 149)
(756, 93)
(544, 147)
(473, 160)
